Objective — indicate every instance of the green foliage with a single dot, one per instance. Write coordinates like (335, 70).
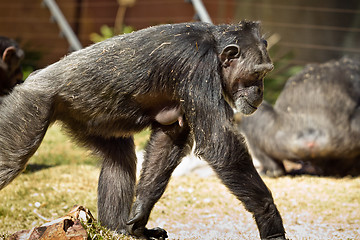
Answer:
(27, 69)
(108, 32)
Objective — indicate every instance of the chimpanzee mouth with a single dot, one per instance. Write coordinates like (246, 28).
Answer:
(244, 106)
(240, 95)
(250, 104)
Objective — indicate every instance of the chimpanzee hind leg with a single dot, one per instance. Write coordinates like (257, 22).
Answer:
(168, 144)
(117, 180)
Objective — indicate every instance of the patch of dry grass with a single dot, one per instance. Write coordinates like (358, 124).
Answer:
(48, 193)
(191, 208)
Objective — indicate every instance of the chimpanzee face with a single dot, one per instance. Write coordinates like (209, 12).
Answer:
(243, 72)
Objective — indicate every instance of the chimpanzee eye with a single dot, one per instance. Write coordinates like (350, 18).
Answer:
(265, 42)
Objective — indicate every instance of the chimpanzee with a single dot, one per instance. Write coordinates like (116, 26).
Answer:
(10, 69)
(316, 120)
(181, 80)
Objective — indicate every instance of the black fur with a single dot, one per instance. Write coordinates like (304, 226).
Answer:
(169, 78)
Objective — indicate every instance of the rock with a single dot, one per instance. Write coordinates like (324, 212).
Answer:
(67, 227)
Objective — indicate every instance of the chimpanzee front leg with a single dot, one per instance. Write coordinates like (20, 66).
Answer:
(230, 159)
(167, 145)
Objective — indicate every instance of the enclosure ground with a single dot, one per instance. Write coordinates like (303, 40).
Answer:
(61, 175)
(192, 207)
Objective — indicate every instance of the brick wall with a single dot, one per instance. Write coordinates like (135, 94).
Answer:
(314, 31)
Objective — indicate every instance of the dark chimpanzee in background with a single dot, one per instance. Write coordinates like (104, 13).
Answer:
(182, 80)
(10, 69)
(315, 119)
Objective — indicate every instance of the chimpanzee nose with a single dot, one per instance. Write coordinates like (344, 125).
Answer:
(258, 91)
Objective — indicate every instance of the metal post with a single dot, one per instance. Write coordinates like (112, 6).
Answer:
(63, 24)
(201, 11)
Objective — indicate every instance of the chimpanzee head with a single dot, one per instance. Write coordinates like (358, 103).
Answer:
(245, 62)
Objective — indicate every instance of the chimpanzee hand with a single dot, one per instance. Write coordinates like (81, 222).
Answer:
(156, 233)
(137, 225)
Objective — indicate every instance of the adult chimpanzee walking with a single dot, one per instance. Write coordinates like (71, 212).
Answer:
(316, 120)
(181, 80)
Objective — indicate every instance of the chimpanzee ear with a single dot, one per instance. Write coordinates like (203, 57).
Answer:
(12, 57)
(9, 54)
(230, 52)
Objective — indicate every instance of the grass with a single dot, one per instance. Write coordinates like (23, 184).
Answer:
(191, 208)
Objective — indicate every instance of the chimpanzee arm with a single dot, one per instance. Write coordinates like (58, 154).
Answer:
(218, 143)
(234, 166)
(227, 154)
(167, 145)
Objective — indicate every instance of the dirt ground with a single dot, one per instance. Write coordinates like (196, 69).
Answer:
(311, 208)
(194, 206)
